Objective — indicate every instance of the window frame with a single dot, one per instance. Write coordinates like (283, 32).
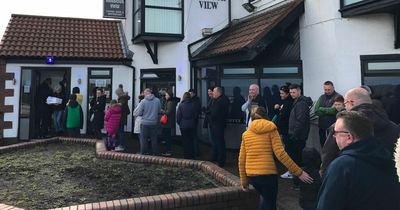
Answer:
(366, 59)
(143, 35)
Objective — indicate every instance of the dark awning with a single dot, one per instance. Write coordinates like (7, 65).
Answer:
(246, 38)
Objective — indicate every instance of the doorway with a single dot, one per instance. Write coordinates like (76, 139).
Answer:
(31, 79)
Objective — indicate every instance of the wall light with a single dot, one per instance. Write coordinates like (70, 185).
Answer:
(14, 81)
(248, 7)
(79, 81)
(179, 78)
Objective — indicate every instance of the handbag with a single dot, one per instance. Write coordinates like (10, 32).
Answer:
(163, 119)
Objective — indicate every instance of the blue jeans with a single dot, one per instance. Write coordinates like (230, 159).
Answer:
(267, 186)
(121, 136)
(57, 118)
(146, 132)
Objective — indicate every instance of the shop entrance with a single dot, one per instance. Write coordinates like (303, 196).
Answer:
(158, 80)
(31, 110)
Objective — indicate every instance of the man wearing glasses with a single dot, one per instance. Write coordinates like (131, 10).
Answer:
(363, 176)
(387, 132)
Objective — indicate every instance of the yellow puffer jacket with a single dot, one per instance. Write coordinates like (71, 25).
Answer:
(397, 158)
(259, 143)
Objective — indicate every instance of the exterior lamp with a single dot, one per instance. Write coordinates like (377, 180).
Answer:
(248, 7)
(50, 60)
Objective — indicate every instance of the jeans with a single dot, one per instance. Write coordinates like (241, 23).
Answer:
(146, 132)
(267, 186)
(121, 136)
(57, 118)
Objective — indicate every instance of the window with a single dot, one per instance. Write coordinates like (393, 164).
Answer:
(381, 73)
(100, 78)
(348, 2)
(158, 18)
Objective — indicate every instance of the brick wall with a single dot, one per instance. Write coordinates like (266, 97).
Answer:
(4, 93)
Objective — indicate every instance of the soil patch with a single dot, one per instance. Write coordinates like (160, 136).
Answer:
(62, 174)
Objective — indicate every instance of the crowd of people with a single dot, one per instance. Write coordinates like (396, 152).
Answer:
(357, 138)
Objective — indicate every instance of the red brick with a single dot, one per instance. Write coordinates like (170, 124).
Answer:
(164, 202)
(116, 204)
(138, 203)
(88, 206)
(96, 205)
(124, 204)
(131, 203)
(157, 201)
(103, 205)
(171, 203)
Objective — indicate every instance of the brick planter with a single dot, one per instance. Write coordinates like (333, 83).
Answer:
(222, 198)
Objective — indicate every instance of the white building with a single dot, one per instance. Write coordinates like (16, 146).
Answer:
(270, 43)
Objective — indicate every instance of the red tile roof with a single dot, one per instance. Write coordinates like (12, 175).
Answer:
(248, 31)
(39, 36)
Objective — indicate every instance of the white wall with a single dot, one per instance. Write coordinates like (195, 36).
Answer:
(331, 46)
(120, 75)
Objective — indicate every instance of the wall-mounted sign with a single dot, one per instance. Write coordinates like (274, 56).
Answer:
(210, 4)
(114, 9)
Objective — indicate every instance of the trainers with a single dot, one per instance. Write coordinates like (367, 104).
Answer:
(119, 149)
(287, 175)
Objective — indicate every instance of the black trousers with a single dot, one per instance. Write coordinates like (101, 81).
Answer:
(217, 131)
(188, 137)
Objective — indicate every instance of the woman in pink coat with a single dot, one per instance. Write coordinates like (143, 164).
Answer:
(112, 119)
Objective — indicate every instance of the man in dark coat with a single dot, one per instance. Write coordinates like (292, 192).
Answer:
(299, 122)
(325, 111)
(218, 114)
(358, 99)
(363, 176)
(43, 110)
(98, 111)
(197, 104)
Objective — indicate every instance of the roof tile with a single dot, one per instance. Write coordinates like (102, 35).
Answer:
(37, 36)
(248, 31)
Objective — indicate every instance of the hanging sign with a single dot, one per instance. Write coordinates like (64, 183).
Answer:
(114, 9)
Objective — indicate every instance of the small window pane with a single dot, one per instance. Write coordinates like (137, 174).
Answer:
(237, 90)
(383, 66)
(280, 70)
(164, 3)
(239, 71)
(347, 2)
(163, 21)
(137, 23)
(100, 72)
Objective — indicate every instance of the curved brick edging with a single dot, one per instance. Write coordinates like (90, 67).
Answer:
(228, 197)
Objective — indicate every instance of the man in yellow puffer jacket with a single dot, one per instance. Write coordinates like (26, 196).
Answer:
(256, 158)
(397, 158)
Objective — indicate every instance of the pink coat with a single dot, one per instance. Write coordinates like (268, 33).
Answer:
(113, 118)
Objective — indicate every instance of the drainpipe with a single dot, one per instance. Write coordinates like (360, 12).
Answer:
(229, 12)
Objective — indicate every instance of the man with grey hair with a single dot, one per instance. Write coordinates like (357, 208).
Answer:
(149, 109)
(253, 99)
(358, 99)
(351, 181)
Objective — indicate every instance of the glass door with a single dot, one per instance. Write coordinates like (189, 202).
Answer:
(29, 81)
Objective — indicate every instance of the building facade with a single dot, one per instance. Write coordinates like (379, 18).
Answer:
(180, 45)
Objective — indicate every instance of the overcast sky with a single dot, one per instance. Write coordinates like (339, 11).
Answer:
(61, 8)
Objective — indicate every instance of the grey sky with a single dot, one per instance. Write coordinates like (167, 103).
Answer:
(61, 8)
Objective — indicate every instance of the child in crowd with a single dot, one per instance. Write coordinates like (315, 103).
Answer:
(308, 198)
(112, 118)
(338, 103)
(73, 117)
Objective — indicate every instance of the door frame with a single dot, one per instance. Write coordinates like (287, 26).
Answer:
(35, 82)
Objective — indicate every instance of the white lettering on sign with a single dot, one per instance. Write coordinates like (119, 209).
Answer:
(115, 1)
(114, 6)
(209, 4)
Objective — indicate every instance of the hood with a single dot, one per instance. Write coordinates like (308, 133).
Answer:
(261, 126)
(73, 104)
(149, 97)
(377, 115)
(371, 151)
(306, 99)
(115, 109)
